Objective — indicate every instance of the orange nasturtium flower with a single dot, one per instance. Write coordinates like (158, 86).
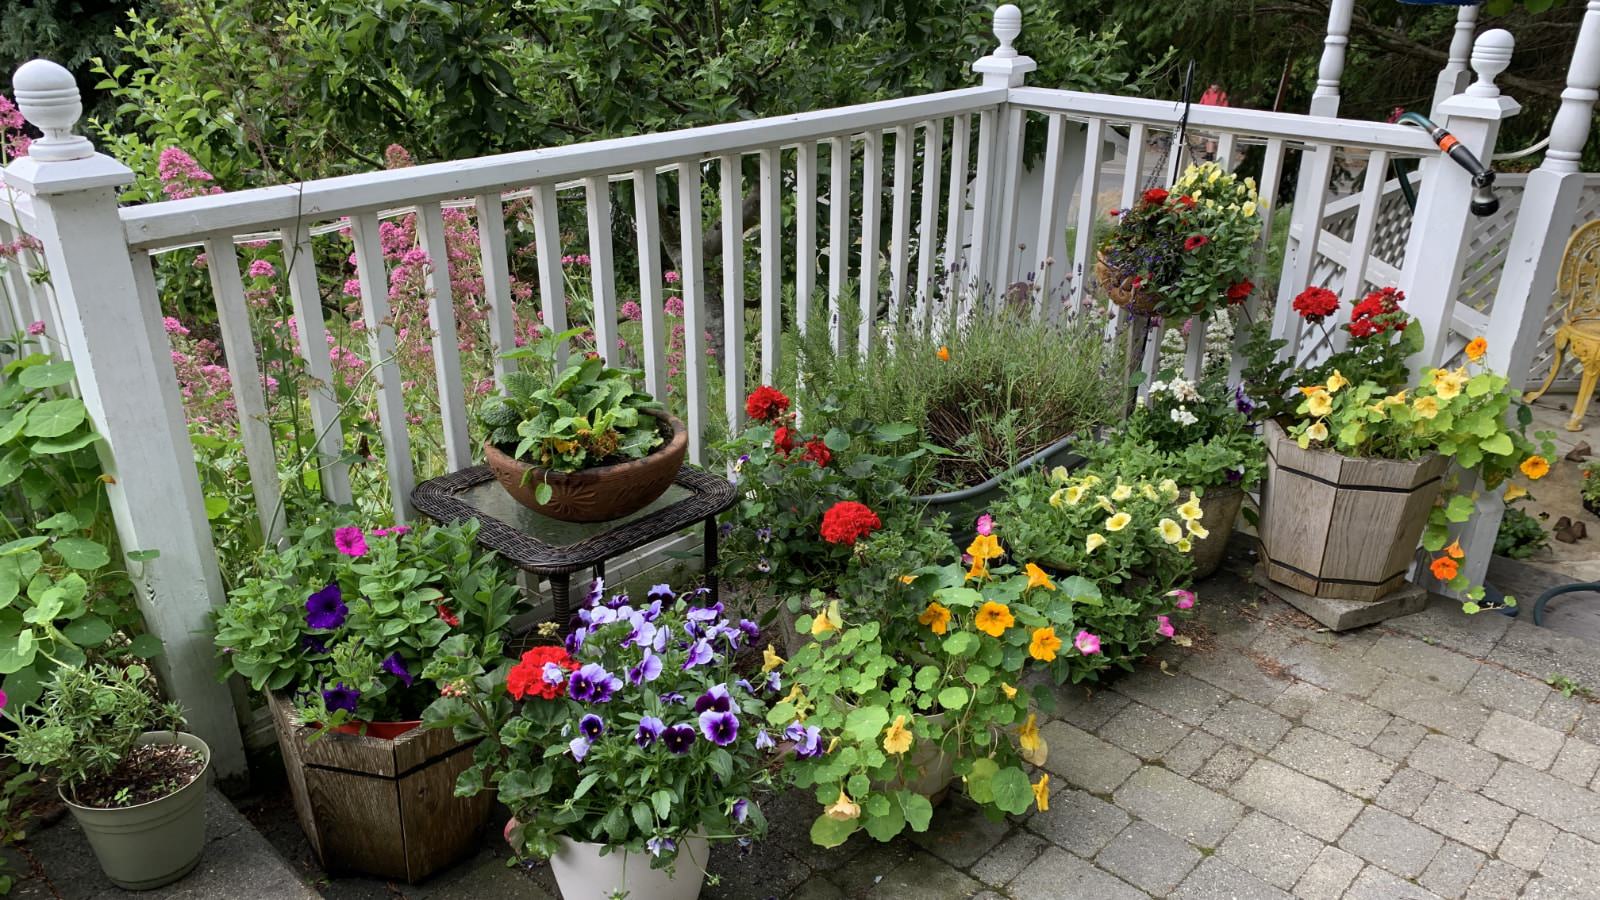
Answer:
(1444, 568)
(1513, 491)
(985, 547)
(1535, 467)
(1454, 550)
(994, 618)
(1041, 793)
(944, 353)
(1038, 578)
(936, 617)
(1044, 645)
(1476, 348)
(897, 739)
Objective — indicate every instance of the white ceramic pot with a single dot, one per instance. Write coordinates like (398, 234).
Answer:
(583, 874)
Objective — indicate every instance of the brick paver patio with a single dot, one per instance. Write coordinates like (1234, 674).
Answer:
(1422, 758)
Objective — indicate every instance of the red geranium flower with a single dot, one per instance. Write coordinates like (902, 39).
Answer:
(1187, 200)
(1195, 242)
(1238, 292)
(527, 676)
(817, 452)
(847, 521)
(1155, 195)
(766, 404)
(1377, 312)
(783, 439)
(1316, 303)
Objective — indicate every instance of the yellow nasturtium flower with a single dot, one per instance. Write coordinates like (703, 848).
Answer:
(1045, 644)
(985, 547)
(1010, 692)
(1425, 407)
(1319, 404)
(770, 659)
(1033, 746)
(897, 739)
(844, 809)
(994, 618)
(1041, 793)
(936, 617)
(1514, 491)
(1337, 381)
(1316, 432)
(827, 621)
(1037, 577)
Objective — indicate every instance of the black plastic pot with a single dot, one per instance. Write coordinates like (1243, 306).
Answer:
(964, 506)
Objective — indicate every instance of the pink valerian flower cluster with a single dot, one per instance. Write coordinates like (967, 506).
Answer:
(182, 177)
(206, 386)
(575, 259)
(13, 140)
(260, 268)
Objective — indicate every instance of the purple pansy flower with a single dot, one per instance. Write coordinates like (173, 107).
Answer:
(648, 669)
(662, 592)
(741, 810)
(763, 534)
(715, 699)
(396, 666)
(553, 674)
(764, 740)
(592, 684)
(720, 728)
(325, 609)
(699, 655)
(591, 726)
(660, 845)
(679, 738)
(774, 683)
(650, 729)
(807, 741)
(705, 613)
(597, 589)
(750, 630)
(341, 696)
(579, 747)
(673, 697)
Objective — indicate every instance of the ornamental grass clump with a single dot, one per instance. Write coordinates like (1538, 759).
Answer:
(636, 733)
(1189, 248)
(348, 620)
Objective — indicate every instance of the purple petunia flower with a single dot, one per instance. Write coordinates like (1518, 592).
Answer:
(591, 726)
(592, 684)
(325, 609)
(720, 728)
(579, 747)
(741, 810)
(648, 669)
(1234, 476)
(350, 541)
(341, 696)
(650, 729)
(764, 740)
(699, 655)
(314, 645)
(396, 666)
(716, 699)
(662, 592)
(679, 738)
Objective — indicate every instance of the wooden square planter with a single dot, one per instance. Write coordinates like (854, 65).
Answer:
(1339, 527)
(380, 807)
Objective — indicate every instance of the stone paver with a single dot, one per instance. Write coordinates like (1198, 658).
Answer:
(1406, 790)
(1328, 875)
(1270, 850)
(1375, 884)
(1298, 699)
(1188, 755)
(1083, 760)
(1057, 873)
(1497, 688)
(1469, 818)
(1007, 860)
(1497, 880)
(1224, 767)
(1340, 763)
(1148, 858)
(1393, 842)
(1143, 731)
(1346, 718)
(1577, 762)
(1526, 842)
(1398, 739)
(1216, 878)
(1452, 871)
(1436, 666)
(1078, 822)
(1245, 723)
(1436, 709)
(1238, 675)
(1309, 805)
(1573, 865)
(1186, 699)
(1170, 801)
(1454, 761)
(923, 877)
(1563, 805)
(1532, 745)
(961, 834)
(1085, 708)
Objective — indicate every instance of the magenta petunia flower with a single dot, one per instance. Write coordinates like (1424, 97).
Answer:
(1185, 598)
(350, 541)
(986, 524)
(1086, 643)
(1164, 626)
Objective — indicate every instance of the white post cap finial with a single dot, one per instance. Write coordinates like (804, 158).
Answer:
(47, 95)
(1007, 25)
(1491, 54)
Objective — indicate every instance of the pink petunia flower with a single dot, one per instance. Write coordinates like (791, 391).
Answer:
(36, 328)
(1164, 627)
(350, 541)
(1086, 643)
(986, 524)
(1185, 598)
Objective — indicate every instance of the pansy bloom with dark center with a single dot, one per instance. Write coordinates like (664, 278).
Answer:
(679, 738)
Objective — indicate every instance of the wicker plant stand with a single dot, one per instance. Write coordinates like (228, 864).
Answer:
(553, 549)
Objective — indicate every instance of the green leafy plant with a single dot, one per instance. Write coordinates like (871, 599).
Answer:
(1198, 435)
(588, 415)
(1520, 535)
(88, 721)
(348, 620)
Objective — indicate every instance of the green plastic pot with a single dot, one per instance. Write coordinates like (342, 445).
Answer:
(155, 843)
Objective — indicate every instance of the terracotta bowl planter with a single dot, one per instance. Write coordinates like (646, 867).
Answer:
(598, 494)
(1118, 285)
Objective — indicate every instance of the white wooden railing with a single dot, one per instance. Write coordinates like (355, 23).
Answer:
(960, 234)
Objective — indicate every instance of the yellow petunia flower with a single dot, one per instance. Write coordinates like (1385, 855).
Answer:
(1197, 531)
(1148, 490)
(1118, 521)
(1184, 546)
(1094, 542)
(1041, 793)
(897, 739)
(1105, 503)
(1074, 494)
(770, 659)
(1044, 644)
(994, 618)
(1037, 577)
(1169, 489)
(1169, 531)
(936, 617)
(1059, 475)
(1190, 510)
(1122, 492)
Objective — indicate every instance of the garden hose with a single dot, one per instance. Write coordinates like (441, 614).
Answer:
(1484, 202)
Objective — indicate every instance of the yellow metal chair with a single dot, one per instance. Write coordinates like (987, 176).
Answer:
(1579, 282)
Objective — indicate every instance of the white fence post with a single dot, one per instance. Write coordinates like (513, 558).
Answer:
(994, 251)
(111, 323)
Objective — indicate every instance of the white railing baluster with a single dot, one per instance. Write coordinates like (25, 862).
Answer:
(17, 289)
(771, 187)
(547, 249)
(731, 196)
(1225, 144)
(838, 233)
(1055, 146)
(1088, 188)
(250, 404)
(979, 267)
(692, 284)
(1366, 227)
(374, 278)
(1133, 166)
(1008, 175)
(805, 232)
(900, 221)
(955, 234)
(1194, 349)
(1316, 164)
(495, 261)
(602, 267)
(446, 345)
(1255, 306)
(928, 221)
(312, 330)
(1271, 174)
(647, 218)
(871, 233)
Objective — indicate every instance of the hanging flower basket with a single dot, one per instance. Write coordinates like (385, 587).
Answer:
(1119, 286)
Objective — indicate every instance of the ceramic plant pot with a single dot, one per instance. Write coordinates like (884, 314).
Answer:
(154, 843)
(599, 494)
(583, 874)
(1219, 507)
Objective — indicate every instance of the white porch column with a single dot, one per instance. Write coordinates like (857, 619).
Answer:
(999, 162)
(1453, 77)
(111, 322)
